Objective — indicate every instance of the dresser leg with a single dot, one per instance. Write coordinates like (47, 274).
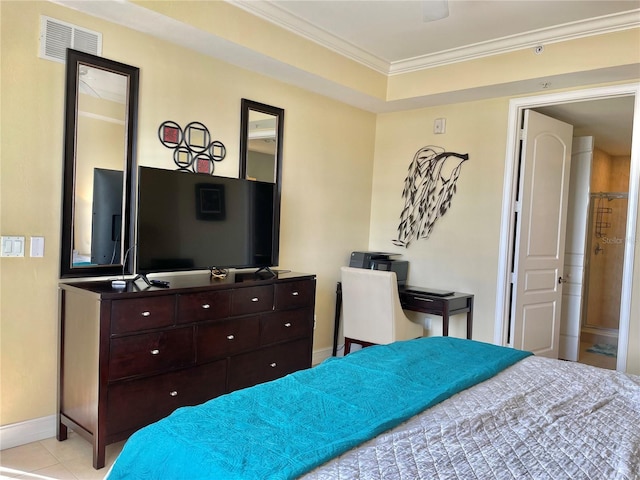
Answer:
(98, 455)
(62, 431)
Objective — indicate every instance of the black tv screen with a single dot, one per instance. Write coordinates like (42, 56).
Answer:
(106, 220)
(191, 221)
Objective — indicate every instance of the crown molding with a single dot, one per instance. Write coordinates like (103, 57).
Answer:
(584, 28)
(569, 31)
(283, 19)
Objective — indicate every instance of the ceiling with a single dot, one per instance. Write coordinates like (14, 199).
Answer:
(391, 37)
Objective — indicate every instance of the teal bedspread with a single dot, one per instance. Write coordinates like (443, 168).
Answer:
(285, 428)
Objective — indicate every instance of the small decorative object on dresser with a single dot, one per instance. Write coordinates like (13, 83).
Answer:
(129, 357)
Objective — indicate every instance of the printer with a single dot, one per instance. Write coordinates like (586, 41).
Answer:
(381, 261)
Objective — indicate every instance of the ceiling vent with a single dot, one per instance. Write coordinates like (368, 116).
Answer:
(56, 36)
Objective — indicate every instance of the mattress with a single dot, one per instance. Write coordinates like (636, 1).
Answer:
(538, 419)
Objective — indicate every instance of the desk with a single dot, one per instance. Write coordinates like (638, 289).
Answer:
(423, 303)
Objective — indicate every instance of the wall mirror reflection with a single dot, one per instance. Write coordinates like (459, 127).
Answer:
(261, 141)
(100, 127)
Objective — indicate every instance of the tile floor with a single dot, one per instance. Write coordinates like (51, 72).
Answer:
(51, 459)
(595, 359)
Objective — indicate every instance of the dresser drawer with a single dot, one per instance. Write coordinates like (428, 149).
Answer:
(294, 294)
(197, 307)
(252, 300)
(136, 403)
(268, 364)
(288, 325)
(142, 313)
(151, 352)
(222, 338)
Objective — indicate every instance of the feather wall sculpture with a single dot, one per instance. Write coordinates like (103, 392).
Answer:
(428, 189)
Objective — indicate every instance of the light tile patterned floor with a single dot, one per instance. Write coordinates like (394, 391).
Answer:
(51, 459)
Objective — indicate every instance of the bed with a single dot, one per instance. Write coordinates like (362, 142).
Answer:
(436, 407)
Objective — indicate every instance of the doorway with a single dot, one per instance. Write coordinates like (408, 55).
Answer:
(504, 291)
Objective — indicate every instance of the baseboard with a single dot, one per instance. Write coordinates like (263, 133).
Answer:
(21, 433)
(320, 356)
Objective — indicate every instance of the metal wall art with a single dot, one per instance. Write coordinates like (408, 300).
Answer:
(192, 147)
(428, 189)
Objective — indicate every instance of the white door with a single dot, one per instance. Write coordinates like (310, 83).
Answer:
(540, 234)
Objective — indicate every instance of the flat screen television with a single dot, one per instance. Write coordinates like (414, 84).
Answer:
(191, 221)
(106, 221)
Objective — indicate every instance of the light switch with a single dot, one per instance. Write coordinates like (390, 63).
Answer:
(37, 246)
(12, 246)
(439, 125)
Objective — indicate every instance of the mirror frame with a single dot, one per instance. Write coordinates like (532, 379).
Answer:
(246, 106)
(76, 58)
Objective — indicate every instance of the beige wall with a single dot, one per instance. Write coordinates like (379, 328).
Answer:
(327, 173)
(342, 178)
(462, 251)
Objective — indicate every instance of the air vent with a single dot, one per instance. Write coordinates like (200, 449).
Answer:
(56, 36)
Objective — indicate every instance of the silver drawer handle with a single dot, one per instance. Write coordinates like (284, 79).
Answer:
(206, 305)
(295, 294)
(423, 299)
(287, 325)
(273, 365)
(173, 393)
(254, 299)
(230, 337)
(155, 352)
(146, 314)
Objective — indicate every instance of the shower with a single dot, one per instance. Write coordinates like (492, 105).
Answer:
(603, 263)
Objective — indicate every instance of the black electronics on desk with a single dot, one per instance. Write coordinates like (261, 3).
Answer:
(381, 261)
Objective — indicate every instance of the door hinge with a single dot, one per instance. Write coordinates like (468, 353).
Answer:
(517, 206)
(521, 134)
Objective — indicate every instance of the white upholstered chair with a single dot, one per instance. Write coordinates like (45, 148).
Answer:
(371, 309)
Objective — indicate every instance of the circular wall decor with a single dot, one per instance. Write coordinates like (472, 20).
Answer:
(197, 137)
(183, 157)
(170, 134)
(217, 150)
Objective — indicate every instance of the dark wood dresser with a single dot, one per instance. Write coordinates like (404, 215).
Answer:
(130, 357)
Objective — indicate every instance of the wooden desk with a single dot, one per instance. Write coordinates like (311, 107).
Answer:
(442, 306)
(423, 303)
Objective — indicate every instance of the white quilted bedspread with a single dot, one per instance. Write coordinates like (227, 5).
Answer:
(539, 419)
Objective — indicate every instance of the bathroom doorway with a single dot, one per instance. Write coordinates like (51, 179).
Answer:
(602, 286)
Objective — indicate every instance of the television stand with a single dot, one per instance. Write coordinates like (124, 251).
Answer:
(268, 270)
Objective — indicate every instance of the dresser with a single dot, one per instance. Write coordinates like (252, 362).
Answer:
(130, 357)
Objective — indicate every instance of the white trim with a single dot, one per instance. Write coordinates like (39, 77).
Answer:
(320, 356)
(104, 118)
(569, 31)
(21, 433)
(545, 36)
(516, 106)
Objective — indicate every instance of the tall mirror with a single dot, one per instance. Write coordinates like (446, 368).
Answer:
(261, 128)
(101, 109)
